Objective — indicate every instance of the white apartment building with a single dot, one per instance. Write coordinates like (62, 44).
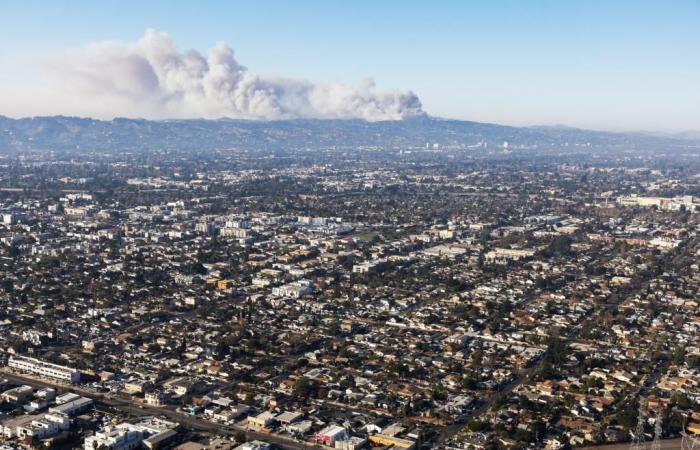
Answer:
(508, 254)
(240, 233)
(37, 426)
(296, 289)
(368, 266)
(115, 438)
(253, 445)
(667, 203)
(44, 369)
(149, 433)
(49, 425)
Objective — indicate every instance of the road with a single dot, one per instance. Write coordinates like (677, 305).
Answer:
(125, 404)
(664, 444)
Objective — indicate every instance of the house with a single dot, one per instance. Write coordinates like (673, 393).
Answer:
(262, 421)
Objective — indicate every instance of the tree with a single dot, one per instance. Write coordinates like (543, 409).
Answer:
(672, 422)
(559, 246)
(8, 285)
(240, 436)
(681, 401)
(628, 417)
(303, 387)
(678, 356)
(499, 401)
(556, 351)
(439, 393)
(199, 269)
(538, 429)
(475, 425)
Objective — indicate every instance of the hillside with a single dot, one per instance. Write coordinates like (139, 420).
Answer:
(65, 133)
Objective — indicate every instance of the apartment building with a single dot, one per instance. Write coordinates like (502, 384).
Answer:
(44, 369)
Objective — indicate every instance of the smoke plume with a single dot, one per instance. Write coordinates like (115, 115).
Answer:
(152, 78)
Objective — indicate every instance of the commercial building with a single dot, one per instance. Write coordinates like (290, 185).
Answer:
(386, 440)
(667, 203)
(44, 369)
(73, 407)
(331, 434)
(262, 421)
(351, 443)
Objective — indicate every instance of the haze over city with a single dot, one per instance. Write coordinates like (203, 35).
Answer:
(625, 65)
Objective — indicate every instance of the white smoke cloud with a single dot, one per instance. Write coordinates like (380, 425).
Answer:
(151, 78)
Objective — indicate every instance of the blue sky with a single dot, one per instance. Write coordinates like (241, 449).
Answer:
(631, 65)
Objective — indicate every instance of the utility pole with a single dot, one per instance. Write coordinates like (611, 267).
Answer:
(656, 445)
(689, 442)
(638, 438)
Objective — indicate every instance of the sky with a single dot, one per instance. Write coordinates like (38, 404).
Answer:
(611, 65)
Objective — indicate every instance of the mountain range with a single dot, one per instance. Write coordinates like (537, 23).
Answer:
(69, 133)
